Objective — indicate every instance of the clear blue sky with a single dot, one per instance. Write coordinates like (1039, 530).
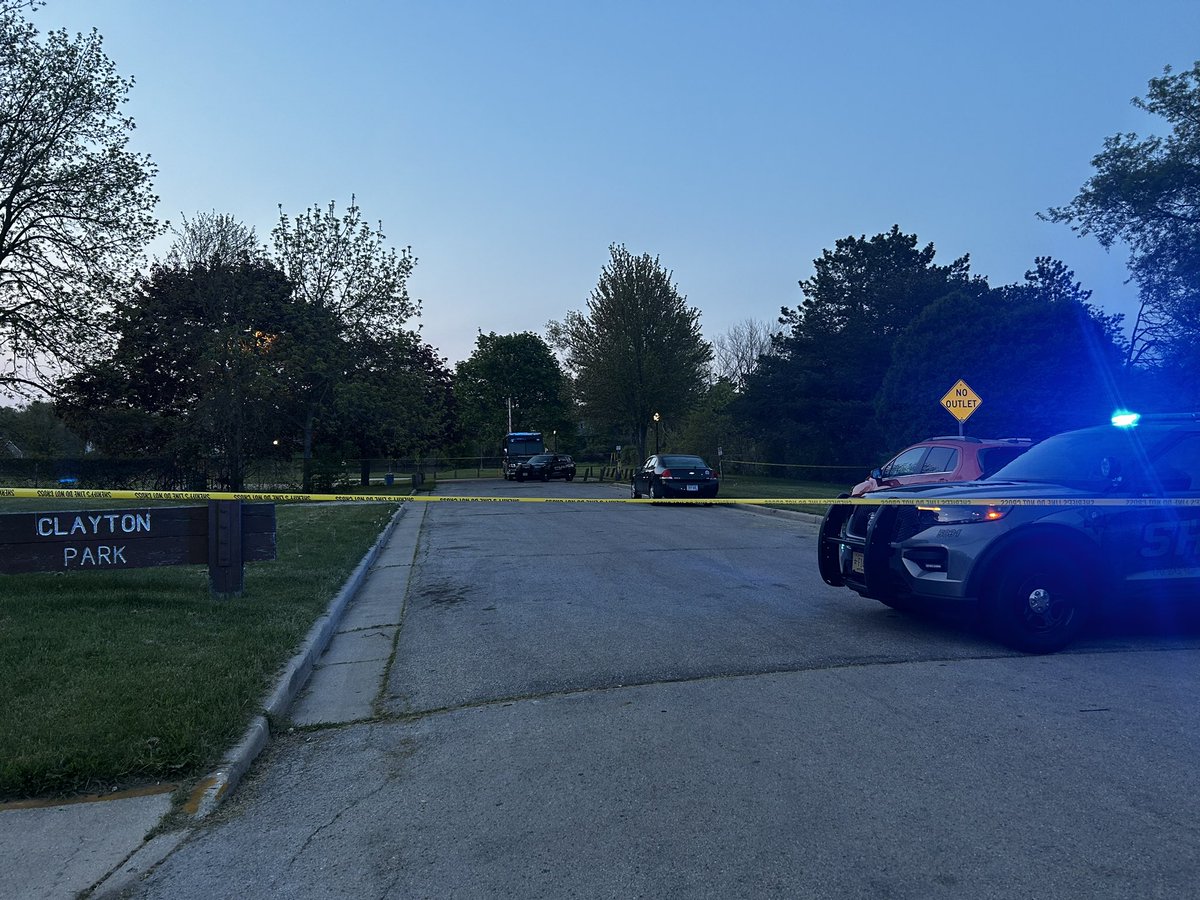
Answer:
(510, 143)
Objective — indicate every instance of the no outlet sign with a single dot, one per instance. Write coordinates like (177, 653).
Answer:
(960, 401)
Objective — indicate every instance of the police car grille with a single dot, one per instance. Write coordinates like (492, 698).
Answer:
(906, 523)
(860, 520)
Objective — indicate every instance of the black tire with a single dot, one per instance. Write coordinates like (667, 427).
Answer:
(520, 476)
(570, 476)
(545, 476)
(655, 491)
(634, 492)
(1038, 600)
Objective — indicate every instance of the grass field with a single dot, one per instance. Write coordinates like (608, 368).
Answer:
(779, 488)
(121, 678)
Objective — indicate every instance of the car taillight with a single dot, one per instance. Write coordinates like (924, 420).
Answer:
(666, 473)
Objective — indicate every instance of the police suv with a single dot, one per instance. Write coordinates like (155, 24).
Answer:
(1085, 517)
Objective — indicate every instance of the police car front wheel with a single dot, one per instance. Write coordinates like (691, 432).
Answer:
(1037, 602)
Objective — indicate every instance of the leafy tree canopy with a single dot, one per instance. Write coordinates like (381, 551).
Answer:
(341, 264)
(396, 399)
(520, 368)
(1040, 357)
(34, 430)
(710, 426)
(637, 351)
(1145, 193)
(75, 202)
(212, 236)
(343, 270)
(199, 370)
(815, 398)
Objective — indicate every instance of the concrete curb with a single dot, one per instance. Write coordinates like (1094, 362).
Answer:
(776, 511)
(209, 793)
(213, 789)
(138, 864)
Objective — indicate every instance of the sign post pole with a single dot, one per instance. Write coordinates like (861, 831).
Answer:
(226, 575)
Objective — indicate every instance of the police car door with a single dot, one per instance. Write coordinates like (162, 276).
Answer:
(1159, 542)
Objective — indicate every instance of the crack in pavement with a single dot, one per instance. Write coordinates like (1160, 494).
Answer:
(726, 676)
(383, 718)
(341, 812)
(375, 627)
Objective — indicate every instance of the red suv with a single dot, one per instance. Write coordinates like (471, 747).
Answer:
(950, 458)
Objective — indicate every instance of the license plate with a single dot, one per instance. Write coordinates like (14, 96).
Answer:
(693, 487)
(856, 563)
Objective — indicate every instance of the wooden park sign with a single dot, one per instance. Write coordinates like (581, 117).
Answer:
(225, 534)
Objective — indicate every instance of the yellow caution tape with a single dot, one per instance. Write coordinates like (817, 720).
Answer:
(254, 496)
(261, 497)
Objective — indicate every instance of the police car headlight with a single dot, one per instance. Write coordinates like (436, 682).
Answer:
(960, 515)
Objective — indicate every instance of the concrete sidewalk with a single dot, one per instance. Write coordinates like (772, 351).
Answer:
(96, 847)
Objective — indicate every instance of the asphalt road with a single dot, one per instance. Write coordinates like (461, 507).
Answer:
(614, 700)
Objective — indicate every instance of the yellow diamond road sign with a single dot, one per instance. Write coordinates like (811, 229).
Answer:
(960, 401)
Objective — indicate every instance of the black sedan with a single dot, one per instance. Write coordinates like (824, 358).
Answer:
(545, 466)
(674, 475)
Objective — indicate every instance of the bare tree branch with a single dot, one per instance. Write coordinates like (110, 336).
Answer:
(75, 202)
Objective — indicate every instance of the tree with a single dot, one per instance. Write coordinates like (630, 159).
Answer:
(710, 426)
(1040, 356)
(343, 265)
(212, 236)
(342, 269)
(814, 401)
(75, 203)
(1146, 194)
(396, 399)
(199, 370)
(737, 352)
(518, 368)
(638, 350)
(34, 430)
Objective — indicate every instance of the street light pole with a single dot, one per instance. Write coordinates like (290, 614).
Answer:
(657, 417)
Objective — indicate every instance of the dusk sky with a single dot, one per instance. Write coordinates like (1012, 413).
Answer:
(510, 144)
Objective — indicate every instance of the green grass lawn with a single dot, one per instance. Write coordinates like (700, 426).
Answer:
(778, 488)
(121, 678)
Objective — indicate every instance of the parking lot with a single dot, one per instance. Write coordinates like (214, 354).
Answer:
(644, 700)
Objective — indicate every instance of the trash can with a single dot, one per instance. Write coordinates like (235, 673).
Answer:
(389, 479)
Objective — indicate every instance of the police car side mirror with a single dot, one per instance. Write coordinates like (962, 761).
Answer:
(877, 473)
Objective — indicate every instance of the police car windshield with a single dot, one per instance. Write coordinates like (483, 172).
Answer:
(1076, 459)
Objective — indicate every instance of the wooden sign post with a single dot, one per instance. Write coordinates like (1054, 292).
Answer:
(225, 535)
